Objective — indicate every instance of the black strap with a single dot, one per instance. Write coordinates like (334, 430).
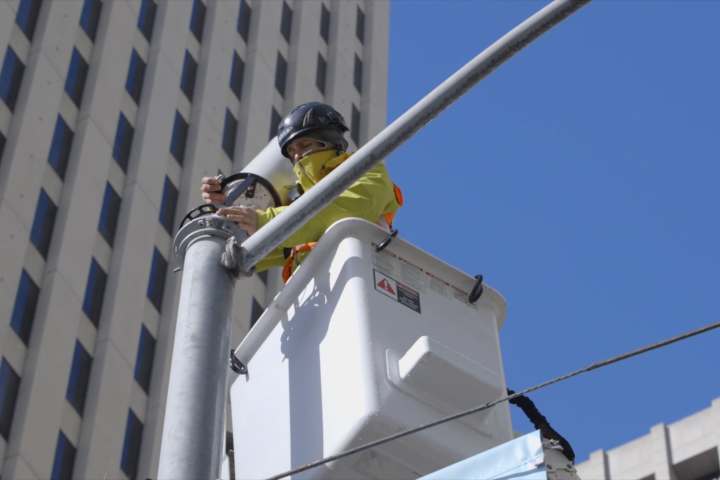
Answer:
(541, 423)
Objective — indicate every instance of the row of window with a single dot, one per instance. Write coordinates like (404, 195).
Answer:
(65, 451)
(41, 235)
(325, 24)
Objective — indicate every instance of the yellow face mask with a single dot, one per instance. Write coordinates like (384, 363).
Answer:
(313, 167)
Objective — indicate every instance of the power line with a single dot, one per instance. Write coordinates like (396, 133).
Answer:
(404, 433)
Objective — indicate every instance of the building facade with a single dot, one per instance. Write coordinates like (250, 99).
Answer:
(688, 449)
(110, 113)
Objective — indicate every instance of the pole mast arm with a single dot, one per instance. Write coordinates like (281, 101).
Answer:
(280, 228)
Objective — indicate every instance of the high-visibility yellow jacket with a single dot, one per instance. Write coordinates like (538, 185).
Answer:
(370, 197)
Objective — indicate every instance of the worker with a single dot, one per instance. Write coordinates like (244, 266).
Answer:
(312, 138)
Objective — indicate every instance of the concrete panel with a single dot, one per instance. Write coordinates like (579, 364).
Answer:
(44, 382)
(153, 133)
(213, 85)
(265, 25)
(595, 467)
(77, 219)
(374, 105)
(14, 238)
(694, 434)
(70, 423)
(11, 347)
(125, 298)
(58, 37)
(103, 431)
(18, 467)
(171, 33)
(103, 97)
(26, 152)
(304, 50)
(7, 22)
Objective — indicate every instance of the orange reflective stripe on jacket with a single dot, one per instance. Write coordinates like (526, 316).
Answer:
(289, 264)
(390, 216)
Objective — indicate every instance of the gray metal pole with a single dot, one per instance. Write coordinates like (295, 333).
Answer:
(281, 227)
(194, 415)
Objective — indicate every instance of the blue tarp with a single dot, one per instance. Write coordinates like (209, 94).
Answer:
(519, 459)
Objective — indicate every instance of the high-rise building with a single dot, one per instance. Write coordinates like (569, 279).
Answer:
(111, 112)
(688, 449)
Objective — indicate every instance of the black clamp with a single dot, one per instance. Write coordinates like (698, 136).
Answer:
(381, 246)
(236, 365)
(477, 290)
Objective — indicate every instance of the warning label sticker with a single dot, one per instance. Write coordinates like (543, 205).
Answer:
(402, 294)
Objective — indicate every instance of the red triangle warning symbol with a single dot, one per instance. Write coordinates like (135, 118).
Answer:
(385, 285)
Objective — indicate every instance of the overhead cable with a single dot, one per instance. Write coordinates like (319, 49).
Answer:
(404, 433)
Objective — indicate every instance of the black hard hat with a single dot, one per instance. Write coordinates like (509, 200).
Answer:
(313, 119)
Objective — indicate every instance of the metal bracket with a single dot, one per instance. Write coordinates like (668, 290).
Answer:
(477, 290)
(236, 365)
(381, 246)
(231, 258)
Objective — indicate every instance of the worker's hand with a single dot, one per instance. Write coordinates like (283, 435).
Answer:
(212, 191)
(247, 218)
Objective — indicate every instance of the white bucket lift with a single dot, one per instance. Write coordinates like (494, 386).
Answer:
(363, 344)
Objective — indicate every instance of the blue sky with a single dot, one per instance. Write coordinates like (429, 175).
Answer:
(582, 179)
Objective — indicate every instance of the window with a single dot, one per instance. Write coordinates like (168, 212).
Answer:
(27, 15)
(136, 72)
(146, 19)
(178, 142)
(229, 133)
(90, 17)
(43, 224)
(79, 378)
(64, 459)
(10, 78)
(94, 292)
(9, 386)
(275, 120)
(236, 75)
(109, 214)
(187, 79)
(286, 22)
(131, 445)
(197, 19)
(77, 74)
(156, 285)
(60, 147)
(360, 25)
(355, 125)
(243, 25)
(280, 74)
(357, 74)
(255, 312)
(123, 142)
(24, 310)
(321, 73)
(325, 24)
(167, 206)
(144, 361)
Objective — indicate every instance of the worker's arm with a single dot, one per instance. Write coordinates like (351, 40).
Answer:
(368, 198)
